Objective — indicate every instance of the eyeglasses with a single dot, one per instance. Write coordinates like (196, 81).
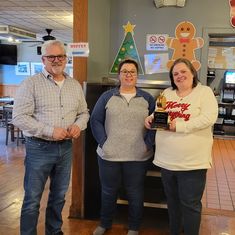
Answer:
(132, 72)
(52, 58)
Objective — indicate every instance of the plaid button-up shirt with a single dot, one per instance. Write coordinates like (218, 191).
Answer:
(40, 105)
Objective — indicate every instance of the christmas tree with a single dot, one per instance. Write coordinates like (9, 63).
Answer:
(127, 50)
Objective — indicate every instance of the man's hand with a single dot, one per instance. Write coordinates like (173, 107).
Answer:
(74, 131)
(60, 133)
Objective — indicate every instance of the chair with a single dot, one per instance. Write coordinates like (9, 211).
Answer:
(10, 128)
(2, 123)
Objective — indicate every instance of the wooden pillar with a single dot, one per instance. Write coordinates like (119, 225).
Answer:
(80, 34)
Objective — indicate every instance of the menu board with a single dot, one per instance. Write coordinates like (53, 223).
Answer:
(221, 57)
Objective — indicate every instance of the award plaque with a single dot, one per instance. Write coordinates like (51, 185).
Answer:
(160, 120)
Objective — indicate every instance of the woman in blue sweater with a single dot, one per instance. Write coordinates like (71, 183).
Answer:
(124, 145)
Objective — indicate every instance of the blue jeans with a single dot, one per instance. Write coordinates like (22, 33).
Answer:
(132, 174)
(184, 190)
(45, 160)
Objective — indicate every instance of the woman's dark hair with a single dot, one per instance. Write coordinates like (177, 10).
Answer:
(189, 65)
(128, 61)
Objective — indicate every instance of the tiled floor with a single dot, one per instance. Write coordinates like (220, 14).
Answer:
(154, 222)
(220, 187)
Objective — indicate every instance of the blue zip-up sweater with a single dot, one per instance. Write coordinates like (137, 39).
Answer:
(118, 126)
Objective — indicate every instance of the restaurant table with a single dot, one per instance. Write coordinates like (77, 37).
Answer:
(6, 100)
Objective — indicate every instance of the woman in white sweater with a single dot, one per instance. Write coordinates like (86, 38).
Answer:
(184, 150)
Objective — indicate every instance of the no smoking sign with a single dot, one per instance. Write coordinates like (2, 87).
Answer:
(156, 42)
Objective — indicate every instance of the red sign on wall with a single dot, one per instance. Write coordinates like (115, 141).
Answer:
(232, 12)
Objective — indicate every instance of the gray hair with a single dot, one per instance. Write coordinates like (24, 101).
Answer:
(49, 43)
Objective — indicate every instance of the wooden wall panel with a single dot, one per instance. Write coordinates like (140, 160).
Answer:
(80, 34)
(8, 90)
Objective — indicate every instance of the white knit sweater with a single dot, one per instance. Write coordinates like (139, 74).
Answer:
(189, 148)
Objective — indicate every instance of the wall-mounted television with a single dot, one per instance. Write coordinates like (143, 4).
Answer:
(8, 54)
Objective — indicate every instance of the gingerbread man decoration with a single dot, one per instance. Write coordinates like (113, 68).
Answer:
(232, 12)
(184, 44)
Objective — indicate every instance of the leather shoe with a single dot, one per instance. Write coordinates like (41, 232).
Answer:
(59, 233)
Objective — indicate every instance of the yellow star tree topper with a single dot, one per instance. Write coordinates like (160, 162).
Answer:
(129, 28)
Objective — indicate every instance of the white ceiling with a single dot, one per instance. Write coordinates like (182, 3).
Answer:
(37, 15)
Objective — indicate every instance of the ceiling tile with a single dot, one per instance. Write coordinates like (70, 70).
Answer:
(36, 16)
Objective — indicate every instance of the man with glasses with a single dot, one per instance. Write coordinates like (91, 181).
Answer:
(51, 110)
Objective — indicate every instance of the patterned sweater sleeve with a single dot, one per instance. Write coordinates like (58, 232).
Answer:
(97, 120)
(208, 113)
(150, 134)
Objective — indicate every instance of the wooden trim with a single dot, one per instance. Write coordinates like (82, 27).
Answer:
(80, 34)
(8, 90)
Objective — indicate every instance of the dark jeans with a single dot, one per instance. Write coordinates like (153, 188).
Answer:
(132, 174)
(45, 160)
(184, 190)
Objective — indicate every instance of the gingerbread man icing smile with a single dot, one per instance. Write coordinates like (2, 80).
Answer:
(184, 44)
